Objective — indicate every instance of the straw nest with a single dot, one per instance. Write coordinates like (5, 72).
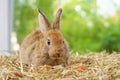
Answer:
(92, 66)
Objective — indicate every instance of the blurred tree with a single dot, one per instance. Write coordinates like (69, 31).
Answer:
(88, 31)
(79, 23)
(111, 34)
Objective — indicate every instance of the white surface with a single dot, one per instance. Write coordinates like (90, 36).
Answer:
(108, 7)
(5, 15)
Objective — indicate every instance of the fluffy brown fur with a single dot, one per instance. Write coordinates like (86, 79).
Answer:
(45, 45)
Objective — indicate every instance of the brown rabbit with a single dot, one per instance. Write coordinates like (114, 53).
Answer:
(45, 45)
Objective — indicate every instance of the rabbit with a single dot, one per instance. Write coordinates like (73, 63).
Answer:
(47, 45)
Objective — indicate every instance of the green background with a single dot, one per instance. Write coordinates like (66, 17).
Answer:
(84, 29)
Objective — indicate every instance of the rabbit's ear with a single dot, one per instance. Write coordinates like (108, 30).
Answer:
(56, 24)
(43, 22)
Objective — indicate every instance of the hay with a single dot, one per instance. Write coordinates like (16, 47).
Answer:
(95, 66)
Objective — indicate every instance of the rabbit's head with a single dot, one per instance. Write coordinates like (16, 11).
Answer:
(53, 40)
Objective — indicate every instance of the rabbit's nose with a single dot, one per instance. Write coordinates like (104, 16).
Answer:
(59, 52)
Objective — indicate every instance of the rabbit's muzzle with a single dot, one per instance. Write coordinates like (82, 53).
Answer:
(58, 53)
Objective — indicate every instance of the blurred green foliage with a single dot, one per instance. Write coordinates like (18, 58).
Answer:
(81, 25)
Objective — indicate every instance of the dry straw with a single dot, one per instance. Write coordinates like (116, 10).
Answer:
(93, 66)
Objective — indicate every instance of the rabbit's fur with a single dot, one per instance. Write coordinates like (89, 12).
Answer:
(45, 45)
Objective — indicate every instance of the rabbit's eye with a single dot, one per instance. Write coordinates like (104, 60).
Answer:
(48, 41)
